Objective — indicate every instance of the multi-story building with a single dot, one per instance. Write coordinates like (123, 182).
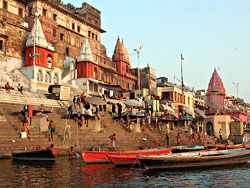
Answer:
(65, 29)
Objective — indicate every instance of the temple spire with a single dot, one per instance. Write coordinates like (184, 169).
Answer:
(121, 52)
(36, 35)
(85, 52)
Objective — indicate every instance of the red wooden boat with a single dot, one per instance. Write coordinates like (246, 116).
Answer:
(128, 159)
(55, 151)
(223, 146)
(95, 157)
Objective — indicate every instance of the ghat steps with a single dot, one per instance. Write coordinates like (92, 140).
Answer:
(11, 125)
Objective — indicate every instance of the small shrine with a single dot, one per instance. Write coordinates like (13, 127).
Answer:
(39, 60)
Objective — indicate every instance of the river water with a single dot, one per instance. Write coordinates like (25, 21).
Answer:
(74, 173)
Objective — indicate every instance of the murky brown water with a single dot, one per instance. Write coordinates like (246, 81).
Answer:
(73, 173)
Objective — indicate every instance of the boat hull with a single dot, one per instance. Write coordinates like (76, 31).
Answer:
(100, 157)
(175, 163)
(221, 146)
(36, 155)
(128, 159)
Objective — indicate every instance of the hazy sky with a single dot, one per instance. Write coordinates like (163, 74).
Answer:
(209, 34)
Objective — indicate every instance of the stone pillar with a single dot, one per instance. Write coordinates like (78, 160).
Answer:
(33, 86)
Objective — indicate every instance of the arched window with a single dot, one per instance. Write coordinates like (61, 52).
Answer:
(95, 87)
(127, 69)
(40, 76)
(48, 77)
(91, 86)
(95, 73)
(56, 79)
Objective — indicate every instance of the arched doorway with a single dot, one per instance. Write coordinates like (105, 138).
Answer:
(210, 129)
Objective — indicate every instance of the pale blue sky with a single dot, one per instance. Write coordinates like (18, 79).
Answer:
(209, 34)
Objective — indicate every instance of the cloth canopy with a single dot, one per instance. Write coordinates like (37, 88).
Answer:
(189, 111)
(200, 112)
(133, 102)
(168, 108)
(112, 87)
(95, 101)
(214, 105)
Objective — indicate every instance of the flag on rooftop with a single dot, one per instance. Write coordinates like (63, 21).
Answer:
(182, 57)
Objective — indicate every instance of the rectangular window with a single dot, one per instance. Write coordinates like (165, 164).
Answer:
(93, 36)
(67, 51)
(54, 33)
(54, 17)
(78, 29)
(89, 34)
(20, 12)
(61, 36)
(44, 12)
(54, 45)
(1, 44)
(73, 26)
(5, 5)
(96, 37)
(30, 11)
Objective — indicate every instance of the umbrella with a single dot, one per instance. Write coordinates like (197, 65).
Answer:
(189, 111)
(168, 108)
(200, 112)
(133, 102)
(95, 101)
(214, 105)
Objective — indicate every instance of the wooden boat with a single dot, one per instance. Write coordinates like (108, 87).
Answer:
(181, 149)
(95, 157)
(197, 160)
(55, 151)
(36, 155)
(129, 159)
(223, 146)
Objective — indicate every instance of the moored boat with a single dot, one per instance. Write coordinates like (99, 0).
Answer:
(181, 149)
(225, 146)
(95, 157)
(129, 159)
(196, 159)
(36, 155)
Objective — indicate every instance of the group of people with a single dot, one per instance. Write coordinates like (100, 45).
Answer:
(8, 87)
(119, 107)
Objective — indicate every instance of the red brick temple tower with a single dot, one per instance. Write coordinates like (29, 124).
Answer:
(87, 70)
(39, 60)
(121, 58)
(86, 66)
(216, 94)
